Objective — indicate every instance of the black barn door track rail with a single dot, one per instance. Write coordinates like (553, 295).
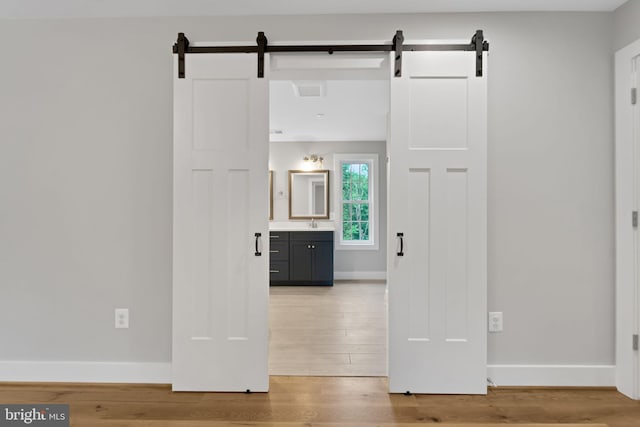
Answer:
(478, 45)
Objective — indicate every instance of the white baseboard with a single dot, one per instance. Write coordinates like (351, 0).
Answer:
(83, 372)
(553, 375)
(360, 275)
(160, 373)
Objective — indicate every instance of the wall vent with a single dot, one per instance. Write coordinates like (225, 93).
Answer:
(309, 89)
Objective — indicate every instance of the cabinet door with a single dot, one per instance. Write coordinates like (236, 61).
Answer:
(300, 261)
(322, 261)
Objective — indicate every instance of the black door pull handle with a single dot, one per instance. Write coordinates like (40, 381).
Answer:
(258, 253)
(401, 236)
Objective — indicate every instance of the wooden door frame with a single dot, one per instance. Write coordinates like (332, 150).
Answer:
(627, 192)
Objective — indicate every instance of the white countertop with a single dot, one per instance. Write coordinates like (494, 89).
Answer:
(301, 226)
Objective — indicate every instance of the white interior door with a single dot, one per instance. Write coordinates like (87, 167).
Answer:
(635, 288)
(220, 284)
(627, 201)
(437, 199)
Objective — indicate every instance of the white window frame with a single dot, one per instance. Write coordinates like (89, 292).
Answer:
(374, 229)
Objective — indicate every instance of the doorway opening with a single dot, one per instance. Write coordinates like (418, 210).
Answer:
(340, 119)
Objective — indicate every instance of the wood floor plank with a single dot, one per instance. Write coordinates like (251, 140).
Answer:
(328, 402)
(144, 423)
(292, 333)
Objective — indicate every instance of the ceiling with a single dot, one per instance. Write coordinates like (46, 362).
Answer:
(130, 8)
(346, 110)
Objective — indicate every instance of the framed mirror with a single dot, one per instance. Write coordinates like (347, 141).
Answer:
(270, 195)
(309, 194)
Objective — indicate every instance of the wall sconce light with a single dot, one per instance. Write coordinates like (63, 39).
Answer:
(313, 161)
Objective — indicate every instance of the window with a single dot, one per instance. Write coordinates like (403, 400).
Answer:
(356, 193)
(355, 201)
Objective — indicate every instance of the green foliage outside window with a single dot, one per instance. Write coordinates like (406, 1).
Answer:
(355, 201)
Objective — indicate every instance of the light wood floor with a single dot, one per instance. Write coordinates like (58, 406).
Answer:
(328, 331)
(324, 402)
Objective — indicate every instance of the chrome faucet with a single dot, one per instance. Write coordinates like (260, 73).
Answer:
(313, 224)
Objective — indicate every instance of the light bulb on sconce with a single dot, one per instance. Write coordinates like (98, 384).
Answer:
(313, 161)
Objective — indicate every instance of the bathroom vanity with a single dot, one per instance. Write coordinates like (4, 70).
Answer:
(301, 257)
(301, 252)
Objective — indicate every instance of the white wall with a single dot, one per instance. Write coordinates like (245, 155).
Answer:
(283, 156)
(85, 178)
(85, 190)
(626, 24)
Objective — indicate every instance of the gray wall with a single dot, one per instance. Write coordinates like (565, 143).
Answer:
(288, 155)
(626, 24)
(85, 178)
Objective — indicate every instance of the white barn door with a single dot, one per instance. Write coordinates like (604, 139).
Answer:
(437, 199)
(220, 276)
(627, 65)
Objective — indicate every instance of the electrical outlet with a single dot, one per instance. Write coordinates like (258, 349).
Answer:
(122, 318)
(495, 321)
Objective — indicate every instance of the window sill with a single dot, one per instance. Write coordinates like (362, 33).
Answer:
(357, 247)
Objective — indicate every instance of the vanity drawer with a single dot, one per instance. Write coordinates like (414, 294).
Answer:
(278, 271)
(278, 236)
(312, 236)
(279, 250)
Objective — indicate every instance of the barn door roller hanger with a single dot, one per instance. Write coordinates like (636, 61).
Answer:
(477, 45)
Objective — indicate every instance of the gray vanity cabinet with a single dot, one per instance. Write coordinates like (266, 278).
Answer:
(310, 258)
